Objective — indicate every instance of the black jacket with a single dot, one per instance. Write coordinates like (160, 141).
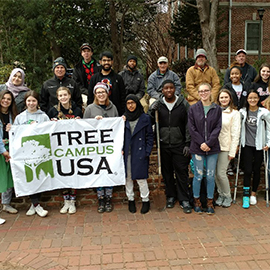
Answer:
(79, 75)
(238, 103)
(48, 92)
(173, 125)
(76, 112)
(262, 88)
(134, 82)
(117, 93)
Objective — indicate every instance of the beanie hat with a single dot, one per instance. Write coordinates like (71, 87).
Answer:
(201, 52)
(103, 86)
(59, 61)
(132, 57)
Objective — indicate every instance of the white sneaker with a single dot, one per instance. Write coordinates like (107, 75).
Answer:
(72, 207)
(2, 221)
(65, 208)
(40, 211)
(31, 211)
(253, 200)
(9, 209)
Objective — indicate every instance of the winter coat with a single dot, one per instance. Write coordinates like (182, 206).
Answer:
(230, 131)
(195, 76)
(262, 133)
(26, 117)
(93, 110)
(117, 93)
(262, 88)
(48, 96)
(76, 112)
(2, 145)
(238, 103)
(140, 144)
(204, 128)
(79, 75)
(247, 78)
(155, 81)
(134, 82)
(173, 128)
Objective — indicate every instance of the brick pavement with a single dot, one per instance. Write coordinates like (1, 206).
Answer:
(233, 238)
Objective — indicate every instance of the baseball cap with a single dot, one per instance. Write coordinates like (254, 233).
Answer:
(162, 59)
(240, 51)
(86, 46)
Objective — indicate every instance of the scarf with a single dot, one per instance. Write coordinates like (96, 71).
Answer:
(15, 90)
(132, 116)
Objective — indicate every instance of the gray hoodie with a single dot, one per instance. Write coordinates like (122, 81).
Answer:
(26, 117)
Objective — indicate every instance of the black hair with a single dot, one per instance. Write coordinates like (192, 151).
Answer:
(107, 54)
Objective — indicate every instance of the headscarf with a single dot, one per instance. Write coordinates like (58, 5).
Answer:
(15, 90)
(132, 116)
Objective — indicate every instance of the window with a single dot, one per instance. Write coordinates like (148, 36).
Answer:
(252, 36)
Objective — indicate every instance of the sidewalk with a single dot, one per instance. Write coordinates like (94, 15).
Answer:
(233, 238)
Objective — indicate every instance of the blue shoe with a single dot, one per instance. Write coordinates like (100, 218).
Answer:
(246, 202)
(197, 206)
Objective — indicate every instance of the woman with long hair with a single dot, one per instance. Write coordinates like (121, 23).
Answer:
(204, 122)
(228, 140)
(255, 138)
(8, 112)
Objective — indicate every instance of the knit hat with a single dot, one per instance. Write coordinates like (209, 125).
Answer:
(201, 52)
(103, 86)
(59, 61)
(132, 57)
(162, 59)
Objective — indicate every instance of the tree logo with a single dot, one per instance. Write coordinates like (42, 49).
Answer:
(37, 152)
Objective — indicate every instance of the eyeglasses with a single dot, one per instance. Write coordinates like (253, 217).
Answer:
(203, 91)
(101, 93)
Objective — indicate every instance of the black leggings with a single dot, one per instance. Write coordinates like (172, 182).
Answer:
(252, 162)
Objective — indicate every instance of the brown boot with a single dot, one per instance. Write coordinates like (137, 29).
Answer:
(197, 205)
(210, 207)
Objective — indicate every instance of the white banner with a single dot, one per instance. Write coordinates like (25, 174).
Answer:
(81, 153)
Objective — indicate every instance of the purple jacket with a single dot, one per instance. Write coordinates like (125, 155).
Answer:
(204, 128)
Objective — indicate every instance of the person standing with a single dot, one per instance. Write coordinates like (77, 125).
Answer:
(174, 144)
(32, 115)
(228, 140)
(100, 108)
(204, 122)
(85, 69)
(262, 82)
(248, 72)
(117, 92)
(138, 143)
(48, 96)
(255, 138)
(201, 72)
(155, 80)
(8, 113)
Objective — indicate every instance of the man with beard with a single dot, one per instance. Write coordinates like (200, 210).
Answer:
(117, 91)
(48, 96)
(157, 77)
(85, 69)
(201, 72)
(174, 144)
(133, 80)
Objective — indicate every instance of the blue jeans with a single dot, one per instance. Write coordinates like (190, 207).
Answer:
(210, 162)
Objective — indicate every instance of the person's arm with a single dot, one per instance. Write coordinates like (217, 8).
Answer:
(227, 76)
(122, 90)
(44, 98)
(151, 87)
(77, 97)
(141, 90)
(178, 85)
(215, 85)
(190, 85)
(76, 78)
(235, 133)
(90, 90)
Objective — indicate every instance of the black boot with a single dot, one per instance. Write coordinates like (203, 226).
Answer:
(101, 205)
(145, 207)
(132, 207)
(108, 204)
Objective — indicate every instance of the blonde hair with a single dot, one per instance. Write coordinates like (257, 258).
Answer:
(58, 107)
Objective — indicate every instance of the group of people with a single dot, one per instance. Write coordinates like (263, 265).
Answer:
(206, 126)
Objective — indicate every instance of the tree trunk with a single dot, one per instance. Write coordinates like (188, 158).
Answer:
(208, 19)
(116, 37)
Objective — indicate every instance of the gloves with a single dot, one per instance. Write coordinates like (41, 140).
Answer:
(154, 106)
(186, 151)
